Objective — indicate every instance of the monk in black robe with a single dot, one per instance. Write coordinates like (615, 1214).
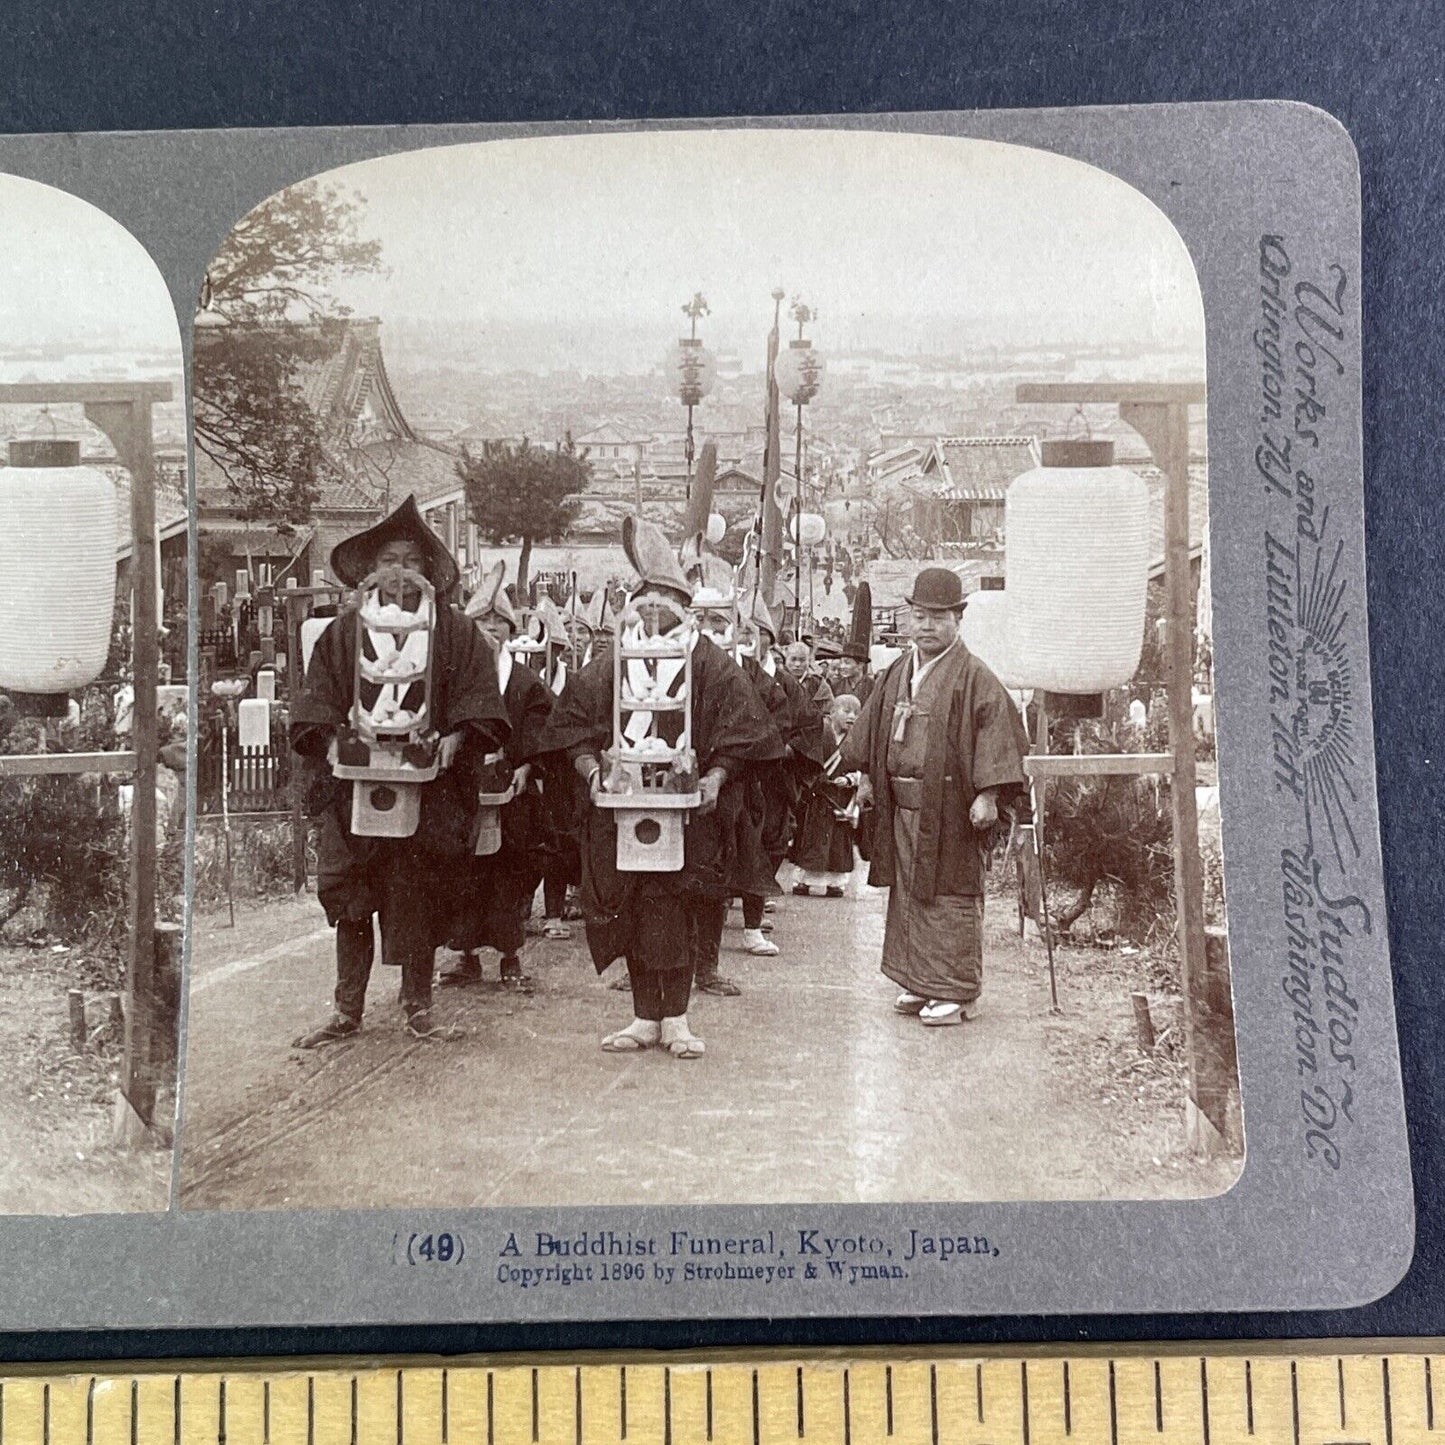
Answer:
(663, 924)
(496, 898)
(941, 746)
(786, 706)
(399, 879)
(825, 840)
(851, 673)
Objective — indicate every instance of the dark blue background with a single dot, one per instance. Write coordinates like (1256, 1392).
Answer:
(108, 64)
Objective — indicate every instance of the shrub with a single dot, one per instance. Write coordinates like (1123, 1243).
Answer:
(261, 865)
(1113, 836)
(64, 847)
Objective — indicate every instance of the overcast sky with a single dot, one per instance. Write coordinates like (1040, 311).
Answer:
(873, 229)
(69, 274)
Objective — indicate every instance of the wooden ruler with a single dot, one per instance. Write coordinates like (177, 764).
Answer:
(1334, 1393)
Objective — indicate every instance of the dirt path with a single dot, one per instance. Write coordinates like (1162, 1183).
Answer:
(812, 1088)
(55, 1107)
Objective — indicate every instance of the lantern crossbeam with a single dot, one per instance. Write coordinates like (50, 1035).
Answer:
(122, 409)
(38, 765)
(21, 393)
(1098, 765)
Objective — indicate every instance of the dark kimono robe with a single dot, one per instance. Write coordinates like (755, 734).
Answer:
(824, 843)
(769, 815)
(644, 916)
(498, 889)
(400, 878)
(861, 687)
(928, 758)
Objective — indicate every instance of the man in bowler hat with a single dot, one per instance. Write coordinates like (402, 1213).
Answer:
(941, 748)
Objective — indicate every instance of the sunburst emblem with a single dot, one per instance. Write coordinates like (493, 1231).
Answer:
(1324, 724)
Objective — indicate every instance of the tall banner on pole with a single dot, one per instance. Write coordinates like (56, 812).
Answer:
(772, 529)
(699, 502)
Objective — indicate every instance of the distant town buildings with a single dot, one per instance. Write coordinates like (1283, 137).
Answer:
(905, 458)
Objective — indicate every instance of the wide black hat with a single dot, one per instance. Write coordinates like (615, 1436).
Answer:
(858, 651)
(355, 558)
(937, 588)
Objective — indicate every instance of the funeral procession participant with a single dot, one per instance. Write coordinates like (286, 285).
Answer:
(563, 796)
(496, 900)
(399, 879)
(743, 809)
(811, 698)
(783, 700)
(852, 673)
(823, 845)
(662, 923)
(941, 747)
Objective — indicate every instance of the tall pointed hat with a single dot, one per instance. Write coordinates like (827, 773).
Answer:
(353, 559)
(860, 633)
(652, 557)
(490, 596)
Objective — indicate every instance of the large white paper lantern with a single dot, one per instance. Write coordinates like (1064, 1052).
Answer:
(808, 528)
(691, 370)
(1076, 550)
(985, 633)
(798, 372)
(57, 568)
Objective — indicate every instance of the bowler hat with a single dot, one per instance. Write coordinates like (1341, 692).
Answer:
(937, 588)
(857, 651)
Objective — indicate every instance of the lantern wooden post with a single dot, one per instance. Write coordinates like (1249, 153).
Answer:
(1159, 412)
(297, 603)
(122, 410)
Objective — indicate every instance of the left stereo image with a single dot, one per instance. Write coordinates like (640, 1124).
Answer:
(93, 710)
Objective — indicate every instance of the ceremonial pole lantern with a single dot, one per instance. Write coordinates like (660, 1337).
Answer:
(693, 371)
(798, 372)
(58, 538)
(1076, 550)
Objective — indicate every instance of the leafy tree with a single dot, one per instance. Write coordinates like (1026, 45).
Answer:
(267, 310)
(522, 493)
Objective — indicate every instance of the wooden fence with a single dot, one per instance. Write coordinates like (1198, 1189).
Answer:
(260, 779)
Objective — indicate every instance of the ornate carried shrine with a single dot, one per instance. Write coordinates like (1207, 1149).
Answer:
(392, 746)
(650, 773)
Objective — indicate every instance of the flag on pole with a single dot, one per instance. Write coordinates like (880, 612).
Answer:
(772, 516)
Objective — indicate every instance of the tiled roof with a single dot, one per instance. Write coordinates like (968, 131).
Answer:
(980, 468)
(172, 513)
(338, 493)
(420, 469)
(1198, 510)
(339, 388)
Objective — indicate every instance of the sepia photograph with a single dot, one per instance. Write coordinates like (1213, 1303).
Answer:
(93, 710)
(705, 687)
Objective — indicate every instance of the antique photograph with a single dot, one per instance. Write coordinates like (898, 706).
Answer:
(705, 687)
(93, 709)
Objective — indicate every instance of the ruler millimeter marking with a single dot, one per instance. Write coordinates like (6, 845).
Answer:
(1130, 1396)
